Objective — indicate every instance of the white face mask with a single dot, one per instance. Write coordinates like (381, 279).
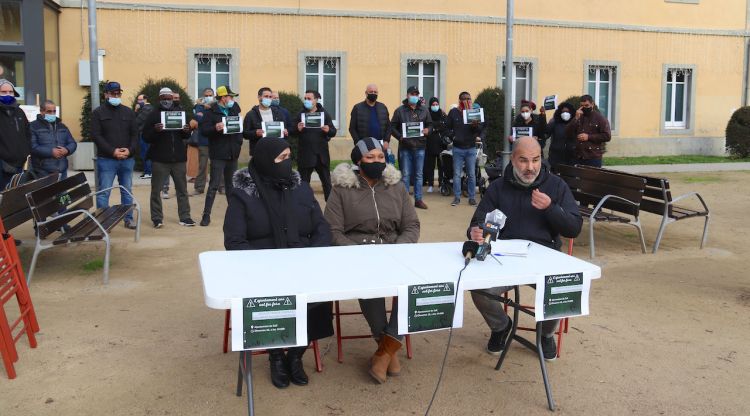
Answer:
(526, 115)
(565, 116)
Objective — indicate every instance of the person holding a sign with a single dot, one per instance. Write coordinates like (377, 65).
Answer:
(51, 143)
(465, 139)
(261, 115)
(591, 132)
(224, 145)
(166, 131)
(272, 208)
(527, 119)
(368, 205)
(561, 149)
(410, 125)
(315, 129)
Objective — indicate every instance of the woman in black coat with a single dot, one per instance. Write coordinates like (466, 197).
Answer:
(538, 122)
(561, 150)
(434, 144)
(270, 207)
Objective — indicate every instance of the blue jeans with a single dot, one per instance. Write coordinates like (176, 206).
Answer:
(597, 163)
(412, 161)
(107, 169)
(461, 156)
(146, 162)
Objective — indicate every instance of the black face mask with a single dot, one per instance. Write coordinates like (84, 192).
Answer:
(281, 172)
(372, 97)
(373, 170)
(587, 111)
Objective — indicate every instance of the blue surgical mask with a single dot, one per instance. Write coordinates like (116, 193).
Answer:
(275, 102)
(50, 118)
(266, 102)
(435, 108)
(230, 103)
(208, 100)
(115, 101)
(308, 104)
(413, 99)
(7, 99)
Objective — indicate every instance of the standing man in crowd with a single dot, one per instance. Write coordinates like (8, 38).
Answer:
(223, 149)
(15, 134)
(465, 138)
(411, 149)
(51, 143)
(539, 207)
(370, 118)
(142, 109)
(168, 153)
(313, 143)
(590, 131)
(263, 112)
(115, 132)
(276, 102)
(203, 105)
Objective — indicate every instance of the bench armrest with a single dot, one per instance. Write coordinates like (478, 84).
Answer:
(75, 212)
(122, 188)
(606, 197)
(689, 194)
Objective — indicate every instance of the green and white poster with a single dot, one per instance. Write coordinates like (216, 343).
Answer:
(522, 132)
(429, 307)
(314, 120)
(173, 120)
(562, 296)
(273, 129)
(550, 102)
(474, 114)
(412, 129)
(232, 124)
(269, 322)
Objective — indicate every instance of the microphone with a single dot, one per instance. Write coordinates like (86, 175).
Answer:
(494, 221)
(469, 250)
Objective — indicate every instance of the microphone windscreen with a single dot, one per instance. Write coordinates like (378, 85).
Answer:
(470, 247)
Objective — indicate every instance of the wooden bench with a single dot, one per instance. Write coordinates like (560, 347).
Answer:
(657, 199)
(56, 206)
(597, 190)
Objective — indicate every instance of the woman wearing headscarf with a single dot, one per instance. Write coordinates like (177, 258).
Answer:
(270, 208)
(538, 122)
(434, 144)
(561, 150)
(368, 206)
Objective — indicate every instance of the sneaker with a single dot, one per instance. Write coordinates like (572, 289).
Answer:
(164, 195)
(496, 344)
(205, 220)
(455, 202)
(146, 176)
(472, 201)
(129, 225)
(420, 204)
(549, 348)
(158, 224)
(429, 190)
(187, 222)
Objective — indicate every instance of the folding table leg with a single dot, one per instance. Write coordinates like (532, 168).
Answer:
(246, 372)
(512, 335)
(547, 388)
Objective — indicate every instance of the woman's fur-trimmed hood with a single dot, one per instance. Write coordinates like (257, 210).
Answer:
(345, 176)
(244, 181)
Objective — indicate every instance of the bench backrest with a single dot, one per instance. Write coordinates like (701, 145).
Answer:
(656, 197)
(14, 210)
(66, 195)
(590, 186)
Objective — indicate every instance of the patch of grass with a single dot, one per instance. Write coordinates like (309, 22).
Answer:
(669, 160)
(701, 179)
(93, 265)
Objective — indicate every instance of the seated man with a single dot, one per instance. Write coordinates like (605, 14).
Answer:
(540, 208)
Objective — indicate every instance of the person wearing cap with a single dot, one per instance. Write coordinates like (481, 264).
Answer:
(368, 205)
(168, 153)
(15, 134)
(115, 131)
(51, 143)
(411, 149)
(370, 118)
(263, 112)
(313, 151)
(223, 149)
(465, 138)
(272, 208)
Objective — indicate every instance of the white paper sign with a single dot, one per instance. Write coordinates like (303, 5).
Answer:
(561, 296)
(274, 129)
(173, 120)
(474, 114)
(314, 120)
(268, 322)
(232, 124)
(428, 303)
(412, 129)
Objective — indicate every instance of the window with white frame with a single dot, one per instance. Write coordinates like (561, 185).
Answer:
(677, 96)
(601, 86)
(323, 75)
(211, 71)
(425, 75)
(520, 86)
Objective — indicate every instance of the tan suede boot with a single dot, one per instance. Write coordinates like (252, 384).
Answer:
(387, 347)
(394, 367)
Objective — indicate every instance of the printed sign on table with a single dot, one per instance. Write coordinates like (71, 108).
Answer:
(562, 296)
(428, 307)
(269, 322)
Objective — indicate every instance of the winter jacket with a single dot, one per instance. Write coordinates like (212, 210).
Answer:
(526, 222)
(141, 115)
(285, 115)
(359, 121)
(247, 225)
(254, 121)
(464, 135)
(597, 127)
(45, 137)
(561, 148)
(113, 127)
(220, 146)
(313, 143)
(166, 146)
(15, 135)
(360, 214)
(405, 114)
(539, 124)
(198, 112)
(439, 129)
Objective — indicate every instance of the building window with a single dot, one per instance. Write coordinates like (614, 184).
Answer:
(601, 86)
(211, 71)
(520, 86)
(322, 74)
(10, 22)
(677, 98)
(425, 75)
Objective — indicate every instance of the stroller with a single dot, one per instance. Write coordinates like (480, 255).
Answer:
(446, 179)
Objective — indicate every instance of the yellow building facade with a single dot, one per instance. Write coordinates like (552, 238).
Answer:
(667, 73)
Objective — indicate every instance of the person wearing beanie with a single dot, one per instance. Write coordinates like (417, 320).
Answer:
(270, 207)
(15, 134)
(434, 144)
(369, 205)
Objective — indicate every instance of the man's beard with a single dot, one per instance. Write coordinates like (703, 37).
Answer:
(522, 180)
